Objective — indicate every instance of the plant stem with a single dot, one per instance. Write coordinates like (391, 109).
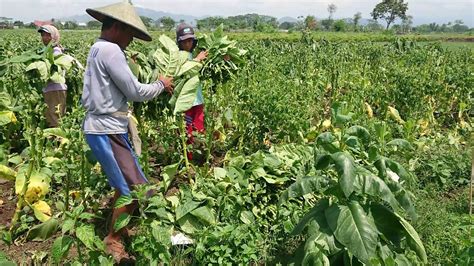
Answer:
(184, 140)
(21, 196)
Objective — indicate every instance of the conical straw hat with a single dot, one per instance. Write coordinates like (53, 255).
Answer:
(123, 12)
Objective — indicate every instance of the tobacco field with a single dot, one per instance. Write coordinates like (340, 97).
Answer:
(317, 151)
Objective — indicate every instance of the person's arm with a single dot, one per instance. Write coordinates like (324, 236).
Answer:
(128, 84)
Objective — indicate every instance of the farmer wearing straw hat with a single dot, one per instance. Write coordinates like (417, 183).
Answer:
(54, 93)
(108, 85)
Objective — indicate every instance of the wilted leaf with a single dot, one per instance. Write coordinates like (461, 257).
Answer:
(42, 210)
(43, 231)
(7, 117)
(7, 173)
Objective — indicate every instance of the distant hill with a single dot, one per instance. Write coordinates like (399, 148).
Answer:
(287, 19)
(142, 12)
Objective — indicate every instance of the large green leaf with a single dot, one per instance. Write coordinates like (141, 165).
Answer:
(122, 220)
(413, 239)
(186, 208)
(25, 57)
(190, 224)
(168, 43)
(86, 234)
(189, 68)
(327, 141)
(169, 172)
(387, 223)
(41, 67)
(57, 77)
(43, 231)
(303, 186)
(400, 143)
(340, 113)
(123, 201)
(161, 233)
(360, 132)
(64, 61)
(384, 164)
(370, 184)
(346, 170)
(204, 214)
(354, 229)
(315, 257)
(316, 211)
(187, 95)
(404, 198)
(61, 247)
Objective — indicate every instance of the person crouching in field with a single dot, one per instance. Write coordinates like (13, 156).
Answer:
(194, 117)
(108, 85)
(54, 93)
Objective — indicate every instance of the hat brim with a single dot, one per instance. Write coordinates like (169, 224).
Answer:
(41, 29)
(187, 36)
(136, 31)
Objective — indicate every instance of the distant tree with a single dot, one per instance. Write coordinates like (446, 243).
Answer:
(459, 26)
(94, 24)
(310, 22)
(287, 25)
(389, 10)
(340, 25)
(147, 21)
(434, 27)
(356, 20)
(18, 23)
(373, 25)
(331, 9)
(299, 25)
(407, 24)
(327, 23)
(168, 23)
(70, 25)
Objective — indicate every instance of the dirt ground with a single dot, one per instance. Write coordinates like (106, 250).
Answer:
(22, 253)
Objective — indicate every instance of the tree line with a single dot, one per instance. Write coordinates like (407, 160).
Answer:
(388, 11)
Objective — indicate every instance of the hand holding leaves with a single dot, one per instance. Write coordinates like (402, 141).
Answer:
(167, 83)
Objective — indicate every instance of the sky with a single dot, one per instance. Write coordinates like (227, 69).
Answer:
(423, 11)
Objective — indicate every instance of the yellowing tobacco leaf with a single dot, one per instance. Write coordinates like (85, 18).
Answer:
(326, 124)
(395, 115)
(7, 173)
(370, 112)
(42, 210)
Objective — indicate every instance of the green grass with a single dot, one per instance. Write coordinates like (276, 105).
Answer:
(443, 222)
